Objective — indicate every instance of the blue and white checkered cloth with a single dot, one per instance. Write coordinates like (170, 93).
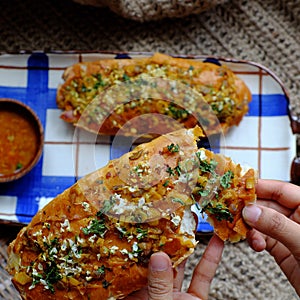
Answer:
(263, 139)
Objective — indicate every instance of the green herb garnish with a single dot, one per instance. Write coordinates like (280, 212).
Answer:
(48, 277)
(126, 77)
(107, 206)
(177, 112)
(53, 243)
(173, 148)
(166, 183)
(19, 166)
(170, 171)
(203, 193)
(225, 179)
(219, 211)
(101, 270)
(95, 227)
(178, 200)
(207, 166)
(84, 89)
(105, 284)
(52, 275)
(177, 169)
(141, 233)
(99, 83)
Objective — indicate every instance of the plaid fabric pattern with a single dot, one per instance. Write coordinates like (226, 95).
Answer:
(263, 140)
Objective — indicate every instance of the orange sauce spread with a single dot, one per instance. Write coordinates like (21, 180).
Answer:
(18, 142)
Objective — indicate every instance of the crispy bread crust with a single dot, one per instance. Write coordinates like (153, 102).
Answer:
(94, 240)
(216, 85)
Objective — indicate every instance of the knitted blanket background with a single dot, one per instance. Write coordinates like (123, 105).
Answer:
(266, 31)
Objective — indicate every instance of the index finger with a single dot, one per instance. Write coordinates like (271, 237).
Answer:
(206, 268)
(285, 193)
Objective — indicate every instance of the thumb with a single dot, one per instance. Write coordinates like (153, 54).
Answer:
(160, 277)
(274, 224)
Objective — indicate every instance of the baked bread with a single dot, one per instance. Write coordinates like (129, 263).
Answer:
(95, 239)
(178, 88)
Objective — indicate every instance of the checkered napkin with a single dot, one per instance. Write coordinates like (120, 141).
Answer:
(263, 139)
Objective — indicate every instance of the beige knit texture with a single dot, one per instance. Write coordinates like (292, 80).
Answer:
(264, 31)
(149, 10)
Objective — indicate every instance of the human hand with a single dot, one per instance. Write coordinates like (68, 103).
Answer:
(165, 284)
(275, 221)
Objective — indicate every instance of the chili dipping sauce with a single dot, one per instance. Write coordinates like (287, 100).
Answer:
(18, 142)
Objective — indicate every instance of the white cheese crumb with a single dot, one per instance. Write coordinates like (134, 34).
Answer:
(120, 207)
(135, 247)
(202, 155)
(63, 246)
(85, 206)
(65, 225)
(133, 189)
(113, 249)
(92, 238)
(124, 251)
(188, 223)
(38, 233)
(176, 220)
(141, 202)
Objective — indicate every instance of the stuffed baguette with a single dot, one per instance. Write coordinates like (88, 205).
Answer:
(94, 240)
(216, 85)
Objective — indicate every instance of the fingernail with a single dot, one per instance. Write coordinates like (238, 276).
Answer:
(251, 213)
(159, 262)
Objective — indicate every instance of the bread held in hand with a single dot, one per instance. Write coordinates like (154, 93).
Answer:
(95, 239)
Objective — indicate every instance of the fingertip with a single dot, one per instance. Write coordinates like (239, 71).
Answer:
(159, 262)
(258, 245)
(251, 214)
(160, 277)
(256, 241)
